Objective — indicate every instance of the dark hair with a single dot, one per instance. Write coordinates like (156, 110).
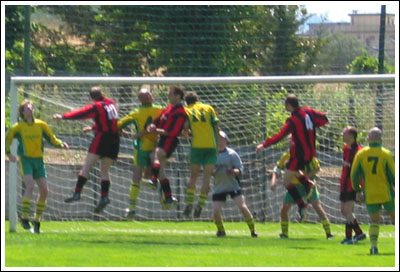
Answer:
(352, 131)
(95, 93)
(292, 100)
(191, 98)
(178, 91)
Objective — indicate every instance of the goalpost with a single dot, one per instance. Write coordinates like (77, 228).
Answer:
(249, 109)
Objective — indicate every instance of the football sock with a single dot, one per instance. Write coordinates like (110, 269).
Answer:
(202, 200)
(373, 234)
(356, 227)
(250, 223)
(326, 225)
(135, 188)
(80, 183)
(189, 196)
(349, 230)
(220, 226)
(25, 208)
(155, 170)
(105, 186)
(40, 206)
(166, 188)
(285, 227)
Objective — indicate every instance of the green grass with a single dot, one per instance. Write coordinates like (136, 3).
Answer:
(189, 244)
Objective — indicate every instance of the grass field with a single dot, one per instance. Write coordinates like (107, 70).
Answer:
(190, 244)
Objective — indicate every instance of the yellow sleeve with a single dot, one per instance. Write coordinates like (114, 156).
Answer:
(214, 118)
(283, 159)
(357, 172)
(10, 136)
(49, 135)
(128, 119)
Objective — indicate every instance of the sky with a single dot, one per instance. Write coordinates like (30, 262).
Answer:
(337, 11)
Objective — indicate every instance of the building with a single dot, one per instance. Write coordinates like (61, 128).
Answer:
(364, 27)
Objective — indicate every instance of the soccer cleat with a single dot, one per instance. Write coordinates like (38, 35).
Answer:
(25, 224)
(329, 236)
(197, 211)
(168, 202)
(36, 227)
(104, 201)
(130, 214)
(360, 237)
(221, 233)
(373, 251)
(283, 236)
(75, 197)
(254, 234)
(188, 210)
(347, 241)
(303, 213)
(151, 183)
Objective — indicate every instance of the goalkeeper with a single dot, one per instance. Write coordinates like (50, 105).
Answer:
(310, 170)
(105, 144)
(226, 182)
(30, 132)
(144, 143)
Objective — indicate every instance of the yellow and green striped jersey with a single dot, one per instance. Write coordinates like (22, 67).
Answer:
(311, 166)
(141, 118)
(30, 138)
(375, 166)
(202, 119)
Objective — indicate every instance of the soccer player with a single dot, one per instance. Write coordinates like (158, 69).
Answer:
(30, 132)
(226, 182)
(375, 166)
(104, 146)
(310, 170)
(347, 193)
(144, 142)
(302, 126)
(203, 123)
(169, 126)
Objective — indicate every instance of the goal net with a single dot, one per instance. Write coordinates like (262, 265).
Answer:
(249, 109)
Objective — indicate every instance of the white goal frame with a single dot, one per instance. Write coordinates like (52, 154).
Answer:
(15, 81)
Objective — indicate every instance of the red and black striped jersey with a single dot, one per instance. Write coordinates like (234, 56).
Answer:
(349, 152)
(301, 125)
(172, 120)
(104, 113)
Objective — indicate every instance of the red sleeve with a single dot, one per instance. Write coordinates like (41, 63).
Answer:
(176, 129)
(89, 111)
(280, 135)
(319, 118)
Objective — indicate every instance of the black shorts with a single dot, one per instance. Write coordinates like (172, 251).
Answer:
(222, 196)
(105, 144)
(168, 144)
(348, 196)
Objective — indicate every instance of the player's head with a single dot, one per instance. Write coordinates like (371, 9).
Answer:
(375, 135)
(349, 135)
(26, 109)
(96, 94)
(291, 102)
(223, 140)
(176, 94)
(191, 98)
(144, 96)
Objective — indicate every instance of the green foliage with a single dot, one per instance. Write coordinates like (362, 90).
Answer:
(366, 64)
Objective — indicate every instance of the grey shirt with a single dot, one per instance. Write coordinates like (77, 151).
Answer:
(227, 159)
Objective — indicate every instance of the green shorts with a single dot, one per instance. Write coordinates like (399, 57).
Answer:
(203, 156)
(141, 158)
(288, 198)
(32, 166)
(374, 208)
